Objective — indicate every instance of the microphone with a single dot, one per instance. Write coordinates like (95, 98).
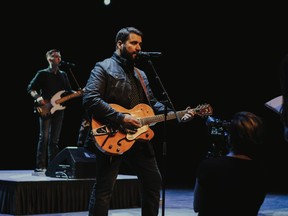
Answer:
(65, 63)
(149, 54)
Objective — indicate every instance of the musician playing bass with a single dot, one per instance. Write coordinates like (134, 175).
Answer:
(46, 83)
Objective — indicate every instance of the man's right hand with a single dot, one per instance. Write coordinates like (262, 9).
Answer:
(130, 122)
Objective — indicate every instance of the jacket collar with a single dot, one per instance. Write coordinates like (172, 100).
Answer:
(124, 62)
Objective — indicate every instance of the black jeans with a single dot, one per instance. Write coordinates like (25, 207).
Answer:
(142, 159)
(49, 134)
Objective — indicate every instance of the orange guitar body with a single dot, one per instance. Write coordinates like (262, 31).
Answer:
(117, 141)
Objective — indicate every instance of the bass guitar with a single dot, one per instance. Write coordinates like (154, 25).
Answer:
(51, 106)
(117, 140)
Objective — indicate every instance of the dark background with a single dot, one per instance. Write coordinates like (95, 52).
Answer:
(224, 55)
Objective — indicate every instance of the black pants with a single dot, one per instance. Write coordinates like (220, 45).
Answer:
(142, 160)
(49, 135)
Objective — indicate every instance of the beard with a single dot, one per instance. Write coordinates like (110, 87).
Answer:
(127, 55)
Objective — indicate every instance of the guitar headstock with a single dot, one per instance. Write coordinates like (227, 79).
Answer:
(203, 110)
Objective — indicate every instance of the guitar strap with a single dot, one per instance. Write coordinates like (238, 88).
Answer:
(143, 84)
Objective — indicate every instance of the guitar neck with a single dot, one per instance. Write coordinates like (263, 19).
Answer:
(159, 118)
(200, 110)
(68, 97)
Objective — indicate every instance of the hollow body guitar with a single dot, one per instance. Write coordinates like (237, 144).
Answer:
(116, 141)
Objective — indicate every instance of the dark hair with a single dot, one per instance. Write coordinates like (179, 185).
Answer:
(246, 133)
(123, 34)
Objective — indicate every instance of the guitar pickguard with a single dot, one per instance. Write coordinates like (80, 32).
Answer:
(132, 136)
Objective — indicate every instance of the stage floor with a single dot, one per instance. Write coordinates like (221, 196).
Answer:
(178, 201)
(24, 193)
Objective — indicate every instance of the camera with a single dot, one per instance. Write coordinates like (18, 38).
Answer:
(218, 131)
(217, 127)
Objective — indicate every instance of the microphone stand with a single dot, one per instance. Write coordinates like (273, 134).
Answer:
(75, 80)
(164, 151)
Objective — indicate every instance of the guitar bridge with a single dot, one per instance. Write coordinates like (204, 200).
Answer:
(103, 130)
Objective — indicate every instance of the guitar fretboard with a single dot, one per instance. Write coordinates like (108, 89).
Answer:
(68, 97)
(159, 118)
(201, 110)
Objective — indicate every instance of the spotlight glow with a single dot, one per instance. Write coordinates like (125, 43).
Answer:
(107, 2)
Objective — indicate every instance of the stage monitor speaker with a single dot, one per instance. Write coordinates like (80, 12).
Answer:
(73, 162)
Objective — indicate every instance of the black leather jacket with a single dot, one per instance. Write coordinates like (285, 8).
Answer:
(107, 84)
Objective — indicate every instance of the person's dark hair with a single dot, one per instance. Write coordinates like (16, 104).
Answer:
(245, 133)
(123, 34)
